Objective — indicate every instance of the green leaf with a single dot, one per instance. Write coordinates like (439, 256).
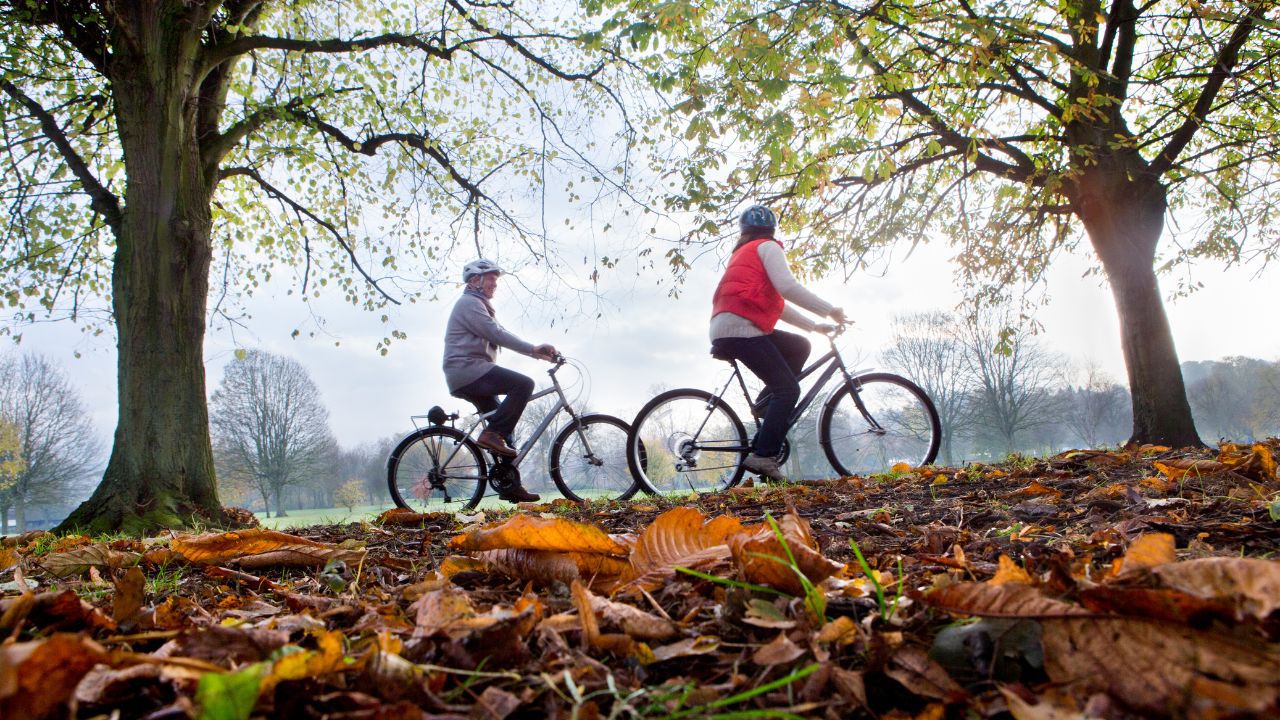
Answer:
(230, 696)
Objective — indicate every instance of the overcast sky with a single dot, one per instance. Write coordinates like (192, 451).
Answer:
(645, 338)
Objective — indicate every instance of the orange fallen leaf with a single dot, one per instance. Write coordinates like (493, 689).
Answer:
(1010, 572)
(525, 532)
(260, 548)
(1036, 488)
(1250, 585)
(764, 560)
(682, 537)
(1184, 467)
(1147, 551)
(39, 676)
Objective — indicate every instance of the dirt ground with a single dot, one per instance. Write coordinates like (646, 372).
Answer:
(1134, 583)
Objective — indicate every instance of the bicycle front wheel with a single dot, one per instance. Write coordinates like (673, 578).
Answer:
(686, 440)
(589, 459)
(876, 422)
(435, 469)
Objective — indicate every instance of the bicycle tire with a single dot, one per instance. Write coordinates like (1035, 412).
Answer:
(418, 481)
(670, 436)
(904, 426)
(602, 475)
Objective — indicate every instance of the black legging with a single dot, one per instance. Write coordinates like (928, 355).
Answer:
(776, 358)
(499, 381)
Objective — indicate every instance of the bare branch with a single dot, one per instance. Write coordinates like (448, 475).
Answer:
(1222, 69)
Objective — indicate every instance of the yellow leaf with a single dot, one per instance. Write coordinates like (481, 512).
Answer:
(1149, 550)
(1010, 572)
(524, 532)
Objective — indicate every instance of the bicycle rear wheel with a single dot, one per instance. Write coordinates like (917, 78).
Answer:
(435, 469)
(589, 459)
(686, 440)
(878, 421)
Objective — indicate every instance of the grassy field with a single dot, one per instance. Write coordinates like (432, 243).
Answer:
(322, 516)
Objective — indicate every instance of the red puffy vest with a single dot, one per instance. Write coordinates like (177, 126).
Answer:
(745, 289)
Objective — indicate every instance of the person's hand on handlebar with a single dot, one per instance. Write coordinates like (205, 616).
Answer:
(546, 352)
(838, 315)
(825, 328)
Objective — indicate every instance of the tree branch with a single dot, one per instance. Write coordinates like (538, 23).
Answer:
(1226, 62)
(101, 199)
(302, 210)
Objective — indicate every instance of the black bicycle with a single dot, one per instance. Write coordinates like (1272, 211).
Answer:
(690, 439)
(441, 464)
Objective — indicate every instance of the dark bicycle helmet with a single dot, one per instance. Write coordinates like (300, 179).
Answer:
(479, 267)
(757, 220)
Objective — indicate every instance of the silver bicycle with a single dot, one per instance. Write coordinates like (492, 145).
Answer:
(692, 440)
(440, 466)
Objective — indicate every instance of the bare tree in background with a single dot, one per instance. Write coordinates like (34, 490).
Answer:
(58, 446)
(1235, 398)
(269, 424)
(1014, 379)
(926, 347)
(1097, 411)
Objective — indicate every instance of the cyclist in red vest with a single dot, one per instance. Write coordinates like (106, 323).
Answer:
(748, 303)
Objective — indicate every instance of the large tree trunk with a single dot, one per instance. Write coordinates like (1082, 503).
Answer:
(20, 514)
(1123, 212)
(161, 469)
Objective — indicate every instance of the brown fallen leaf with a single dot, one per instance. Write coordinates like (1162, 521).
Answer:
(615, 643)
(779, 651)
(1190, 468)
(633, 621)
(1251, 585)
(690, 646)
(1010, 572)
(680, 537)
(494, 704)
(764, 560)
(1006, 600)
(81, 559)
(127, 601)
(255, 548)
(404, 517)
(916, 671)
(545, 566)
(38, 677)
(1157, 667)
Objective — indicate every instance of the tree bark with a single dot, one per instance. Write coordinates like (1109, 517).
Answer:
(1123, 212)
(161, 470)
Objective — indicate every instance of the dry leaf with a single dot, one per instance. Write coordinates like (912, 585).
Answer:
(780, 651)
(1251, 585)
(633, 621)
(404, 517)
(1010, 572)
(127, 602)
(256, 548)
(1007, 600)
(494, 704)
(763, 559)
(38, 677)
(591, 635)
(1189, 468)
(1147, 551)
(1156, 667)
(1036, 488)
(691, 646)
(545, 566)
(916, 671)
(524, 532)
(681, 537)
(79, 560)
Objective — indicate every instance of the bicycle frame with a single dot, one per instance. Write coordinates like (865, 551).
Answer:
(562, 404)
(831, 359)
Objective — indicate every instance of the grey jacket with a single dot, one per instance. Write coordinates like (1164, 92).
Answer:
(472, 339)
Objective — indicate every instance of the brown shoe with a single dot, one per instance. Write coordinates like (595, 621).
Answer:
(493, 442)
(517, 494)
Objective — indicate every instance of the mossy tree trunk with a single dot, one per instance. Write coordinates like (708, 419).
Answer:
(161, 469)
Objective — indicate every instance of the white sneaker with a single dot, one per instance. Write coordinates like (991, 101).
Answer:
(765, 467)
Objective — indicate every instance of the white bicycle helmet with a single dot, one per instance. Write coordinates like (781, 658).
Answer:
(477, 267)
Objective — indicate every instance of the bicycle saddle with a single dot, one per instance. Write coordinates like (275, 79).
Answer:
(720, 354)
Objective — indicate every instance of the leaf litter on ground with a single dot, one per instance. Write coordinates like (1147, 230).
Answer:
(1137, 582)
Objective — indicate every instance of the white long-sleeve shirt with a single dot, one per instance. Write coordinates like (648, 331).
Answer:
(727, 324)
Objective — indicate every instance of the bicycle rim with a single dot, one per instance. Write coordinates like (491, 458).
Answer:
(691, 442)
(589, 460)
(899, 426)
(436, 469)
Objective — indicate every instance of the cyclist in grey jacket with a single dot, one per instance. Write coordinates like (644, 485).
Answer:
(471, 344)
